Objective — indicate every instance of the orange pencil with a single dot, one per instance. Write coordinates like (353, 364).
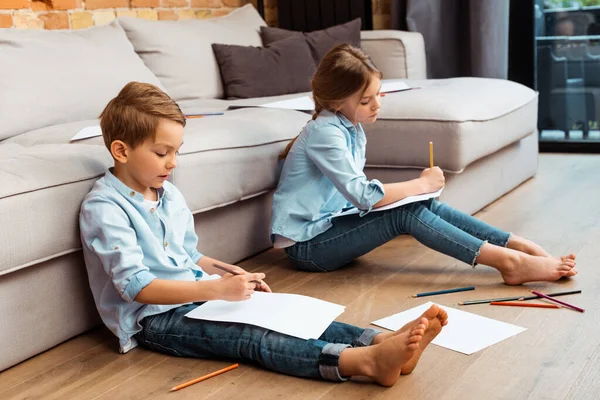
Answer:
(194, 116)
(202, 378)
(520, 304)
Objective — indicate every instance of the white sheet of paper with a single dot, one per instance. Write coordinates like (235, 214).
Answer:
(393, 85)
(466, 332)
(295, 315)
(406, 200)
(303, 103)
(87, 132)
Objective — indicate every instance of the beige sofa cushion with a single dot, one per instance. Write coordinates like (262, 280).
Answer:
(224, 159)
(42, 189)
(180, 52)
(465, 118)
(52, 77)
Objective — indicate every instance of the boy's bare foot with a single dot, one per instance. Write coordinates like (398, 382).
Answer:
(432, 312)
(434, 328)
(533, 249)
(387, 358)
(522, 268)
(436, 322)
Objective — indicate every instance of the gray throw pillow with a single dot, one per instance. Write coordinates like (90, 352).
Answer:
(283, 67)
(320, 42)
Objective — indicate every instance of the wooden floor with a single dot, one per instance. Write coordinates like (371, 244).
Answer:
(558, 357)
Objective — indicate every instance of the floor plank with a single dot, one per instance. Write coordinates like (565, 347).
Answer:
(558, 357)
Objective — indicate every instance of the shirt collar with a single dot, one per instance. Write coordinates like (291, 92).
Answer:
(345, 121)
(128, 192)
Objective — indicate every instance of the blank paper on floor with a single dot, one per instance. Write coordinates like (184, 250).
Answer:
(295, 315)
(466, 332)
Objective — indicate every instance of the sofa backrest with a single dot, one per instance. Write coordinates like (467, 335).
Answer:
(54, 77)
(180, 53)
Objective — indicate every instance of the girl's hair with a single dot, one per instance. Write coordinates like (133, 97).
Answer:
(341, 73)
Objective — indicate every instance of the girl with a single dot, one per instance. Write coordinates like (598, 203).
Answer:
(323, 174)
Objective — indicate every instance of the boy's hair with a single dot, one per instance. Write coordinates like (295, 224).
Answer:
(343, 71)
(133, 115)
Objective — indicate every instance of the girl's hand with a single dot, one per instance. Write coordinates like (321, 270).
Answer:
(432, 179)
(239, 287)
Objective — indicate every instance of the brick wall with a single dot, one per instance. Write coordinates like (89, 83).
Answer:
(78, 14)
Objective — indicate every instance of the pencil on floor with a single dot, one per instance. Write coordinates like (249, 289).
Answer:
(519, 304)
(202, 378)
(571, 306)
(519, 298)
(463, 289)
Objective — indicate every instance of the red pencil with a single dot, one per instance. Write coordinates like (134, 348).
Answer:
(509, 303)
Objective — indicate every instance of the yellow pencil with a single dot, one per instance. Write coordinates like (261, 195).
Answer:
(430, 154)
(183, 385)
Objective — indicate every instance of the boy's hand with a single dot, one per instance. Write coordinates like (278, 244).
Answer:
(239, 287)
(263, 287)
(433, 179)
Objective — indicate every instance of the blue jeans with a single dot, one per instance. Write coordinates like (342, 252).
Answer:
(173, 333)
(434, 224)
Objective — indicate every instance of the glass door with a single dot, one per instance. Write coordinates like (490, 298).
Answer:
(567, 73)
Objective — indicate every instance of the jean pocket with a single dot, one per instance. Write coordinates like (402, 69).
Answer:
(308, 266)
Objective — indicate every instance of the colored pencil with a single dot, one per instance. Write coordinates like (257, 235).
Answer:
(430, 154)
(201, 115)
(558, 301)
(202, 378)
(232, 272)
(520, 304)
(463, 289)
(515, 298)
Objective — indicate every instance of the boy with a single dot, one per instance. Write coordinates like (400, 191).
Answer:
(145, 272)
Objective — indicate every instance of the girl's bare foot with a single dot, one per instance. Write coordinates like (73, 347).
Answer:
(533, 249)
(532, 268)
(517, 267)
(383, 362)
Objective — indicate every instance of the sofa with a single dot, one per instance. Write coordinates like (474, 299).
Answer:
(54, 83)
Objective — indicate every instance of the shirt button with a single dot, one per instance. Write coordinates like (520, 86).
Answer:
(116, 247)
(132, 194)
(166, 244)
(152, 210)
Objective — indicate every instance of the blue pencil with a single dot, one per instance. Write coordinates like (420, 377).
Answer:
(462, 289)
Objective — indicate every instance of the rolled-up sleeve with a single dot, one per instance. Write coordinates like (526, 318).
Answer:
(329, 151)
(106, 231)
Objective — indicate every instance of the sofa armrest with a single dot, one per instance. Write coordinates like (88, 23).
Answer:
(397, 54)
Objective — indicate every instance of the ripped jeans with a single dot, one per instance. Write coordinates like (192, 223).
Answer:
(434, 224)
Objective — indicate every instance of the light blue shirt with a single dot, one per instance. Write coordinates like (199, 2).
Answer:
(127, 244)
(322, 174)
